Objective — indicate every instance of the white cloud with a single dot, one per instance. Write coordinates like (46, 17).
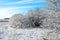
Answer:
(4, 13)
(8, 12)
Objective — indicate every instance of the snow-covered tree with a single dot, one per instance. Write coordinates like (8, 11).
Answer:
(31, 19)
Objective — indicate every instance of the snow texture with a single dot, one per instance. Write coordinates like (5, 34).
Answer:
(8, 33)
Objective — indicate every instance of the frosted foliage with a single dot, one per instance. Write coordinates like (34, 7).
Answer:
(35, 18)
(15, 21)
(31, 19)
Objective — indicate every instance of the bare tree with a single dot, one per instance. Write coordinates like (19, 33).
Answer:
(54, 8)
(54, 5)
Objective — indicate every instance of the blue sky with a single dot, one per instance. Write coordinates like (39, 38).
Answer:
(11, 7)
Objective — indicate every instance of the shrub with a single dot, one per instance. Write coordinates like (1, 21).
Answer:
(34, 18)
(31, 19)
(15, 21)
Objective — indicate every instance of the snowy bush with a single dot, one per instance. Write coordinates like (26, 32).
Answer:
(34, 18)
(31, 19)
(15, 21)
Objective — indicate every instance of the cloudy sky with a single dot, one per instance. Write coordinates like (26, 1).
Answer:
(10, 7)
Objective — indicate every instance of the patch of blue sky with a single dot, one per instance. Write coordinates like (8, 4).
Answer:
(10, 7)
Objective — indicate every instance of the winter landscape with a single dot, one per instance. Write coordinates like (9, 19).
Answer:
(31, 23)
(24, 27)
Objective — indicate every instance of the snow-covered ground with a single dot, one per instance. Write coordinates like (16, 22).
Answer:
(8, 33)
